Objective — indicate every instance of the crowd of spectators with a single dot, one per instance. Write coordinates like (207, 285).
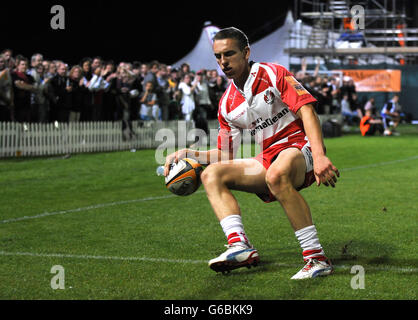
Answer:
(335, 94)
(41, 91)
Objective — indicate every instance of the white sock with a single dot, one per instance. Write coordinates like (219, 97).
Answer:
(309, 242)
(234, 229)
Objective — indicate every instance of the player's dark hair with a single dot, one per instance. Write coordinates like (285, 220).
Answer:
(233, 33)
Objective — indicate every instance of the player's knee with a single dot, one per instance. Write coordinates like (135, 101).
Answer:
(278, 180)
(217, 174)
(205, 175)
(210, 175)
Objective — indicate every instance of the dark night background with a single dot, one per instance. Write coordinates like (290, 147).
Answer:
(127, 30)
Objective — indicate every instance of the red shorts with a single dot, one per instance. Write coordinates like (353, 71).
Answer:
(267, 157)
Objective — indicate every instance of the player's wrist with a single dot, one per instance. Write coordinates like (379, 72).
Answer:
(318, 155)
(190, 153)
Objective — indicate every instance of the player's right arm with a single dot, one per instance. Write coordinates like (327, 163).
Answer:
(203, 157)
(227, 137)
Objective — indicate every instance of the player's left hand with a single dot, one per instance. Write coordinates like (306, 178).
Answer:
(325, 172)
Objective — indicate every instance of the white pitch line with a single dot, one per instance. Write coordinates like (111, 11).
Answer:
(111, 204)
(379, 164)
(97, 206)
(382, 268)
(90, 257)
(184, 261)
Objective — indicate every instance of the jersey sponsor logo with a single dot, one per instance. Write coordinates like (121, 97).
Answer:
(269, 97)
(269, 122)
(300, 90)
(239, 115)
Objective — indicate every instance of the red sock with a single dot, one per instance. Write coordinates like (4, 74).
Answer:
(314, 254)
(237, 237)
(234, 229)
(309, 242)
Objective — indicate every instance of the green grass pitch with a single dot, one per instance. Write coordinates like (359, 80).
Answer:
(108, 220)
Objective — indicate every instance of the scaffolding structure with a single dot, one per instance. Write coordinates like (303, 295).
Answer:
(384, 31)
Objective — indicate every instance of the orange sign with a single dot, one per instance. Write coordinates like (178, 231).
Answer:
(375, 80)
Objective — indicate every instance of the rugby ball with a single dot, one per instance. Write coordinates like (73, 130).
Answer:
(184, 177)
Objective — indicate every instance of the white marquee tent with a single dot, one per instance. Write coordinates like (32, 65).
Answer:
(269, 49)
(201, 57)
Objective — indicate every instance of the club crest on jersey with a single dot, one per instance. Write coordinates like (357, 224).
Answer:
(269, 97)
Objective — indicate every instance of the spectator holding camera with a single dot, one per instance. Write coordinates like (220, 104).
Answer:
(97, 85)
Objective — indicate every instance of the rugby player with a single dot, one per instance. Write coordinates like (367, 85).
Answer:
(267, 100)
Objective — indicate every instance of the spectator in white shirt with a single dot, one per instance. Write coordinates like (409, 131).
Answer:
(187, 93)
(203, 103)
(97, 85)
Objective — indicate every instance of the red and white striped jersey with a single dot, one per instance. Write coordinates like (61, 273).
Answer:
(266, 107)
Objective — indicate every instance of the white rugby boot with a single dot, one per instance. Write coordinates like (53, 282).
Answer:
(236, 256)
(314, 268)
